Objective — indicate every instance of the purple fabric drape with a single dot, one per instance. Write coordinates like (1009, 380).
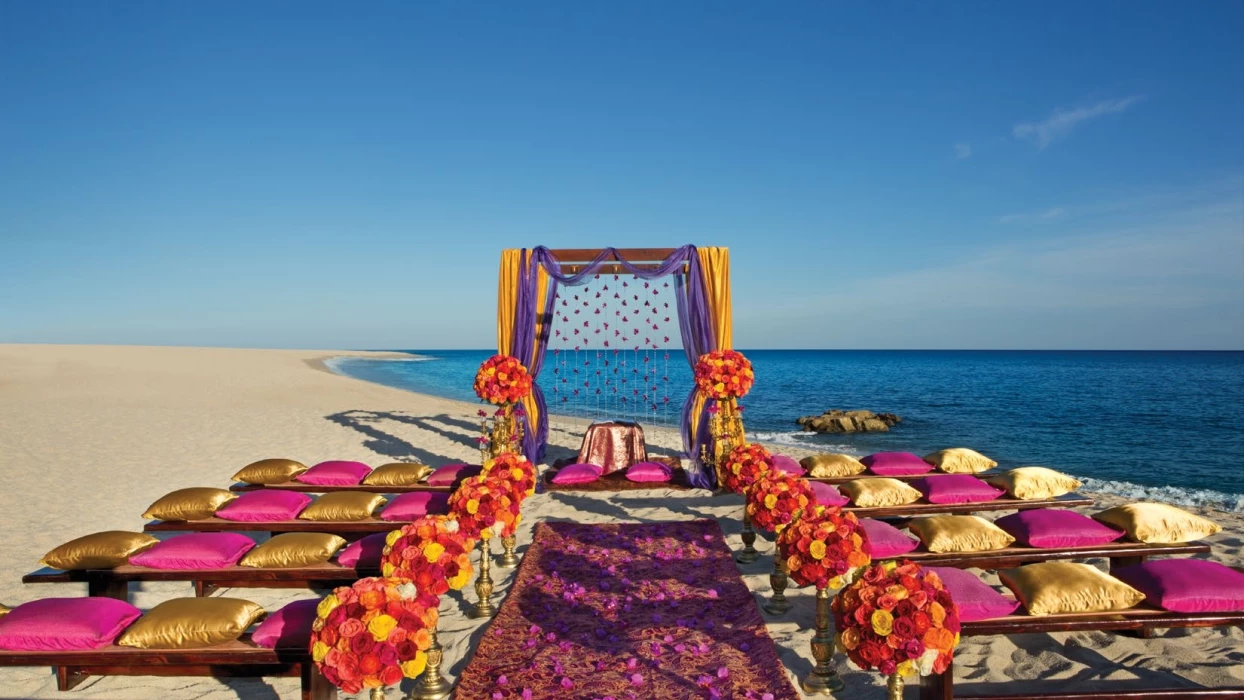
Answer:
(694, 324)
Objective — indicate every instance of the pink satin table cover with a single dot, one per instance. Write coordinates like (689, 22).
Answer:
(615, 445)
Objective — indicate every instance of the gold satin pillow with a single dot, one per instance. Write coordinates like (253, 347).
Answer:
(1031, 483)
(873, 492)
(5, 610)
(959, 533)
(102, 550)
(1158, 523)
(342, 506)
(189, 504)
(960, 460)
(189, 623)
(397, 474)
(270, 471)
(828, 465)
(1060, 587)
(293, 549)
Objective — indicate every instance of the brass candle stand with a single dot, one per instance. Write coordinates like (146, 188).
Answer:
(376, 694)
(483, 584)
(501, 433)
(508, 559)
(778, 605)
(894, 687)
(726, 428)
(748, 554)
(823, 680)
(431, 684)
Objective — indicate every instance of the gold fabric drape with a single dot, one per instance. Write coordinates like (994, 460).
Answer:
(715, 269)
(513, 264)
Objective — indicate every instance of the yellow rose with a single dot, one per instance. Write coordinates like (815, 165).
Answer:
(433, 551)
(937, 612)
(318, 651)
(381, 626)
(837, 582)
(412, 668)
(327, 605)
(883, 622)
(387, 569)
(771, 501)
(908, 668)
(392, 537)
(817, 549)
(460, 580)
(472, 506)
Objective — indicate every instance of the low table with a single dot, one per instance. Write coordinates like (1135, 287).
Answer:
(614, 445)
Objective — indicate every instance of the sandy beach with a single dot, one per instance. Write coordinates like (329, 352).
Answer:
(90, 435)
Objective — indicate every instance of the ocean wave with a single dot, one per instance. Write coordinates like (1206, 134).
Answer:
(802, 439)
(334, 363)
(1205, 498)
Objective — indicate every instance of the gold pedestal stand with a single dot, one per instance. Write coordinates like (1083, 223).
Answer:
(483, 584)
(748, 554)
(431, 684)
(509, 559)
(503, 433)
(894, 688)
(778, 604)
(823, 679)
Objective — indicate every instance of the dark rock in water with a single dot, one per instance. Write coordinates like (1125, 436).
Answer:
(839, 421)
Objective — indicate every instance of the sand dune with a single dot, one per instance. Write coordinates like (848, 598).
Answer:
(89, 436)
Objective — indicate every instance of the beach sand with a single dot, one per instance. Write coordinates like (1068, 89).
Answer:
(89, 436)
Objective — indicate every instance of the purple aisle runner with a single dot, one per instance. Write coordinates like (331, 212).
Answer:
(629, 612)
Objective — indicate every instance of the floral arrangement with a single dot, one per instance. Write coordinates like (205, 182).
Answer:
(501, 380)
(373, 633)
(744, 465)
(724, 374)
(485, 507)
(515, 469)
(824, 547)
(897, 618)
(432, 552)
(776, 499)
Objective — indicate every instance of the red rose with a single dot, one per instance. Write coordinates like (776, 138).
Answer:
(909, 582)
(369, 664)
(407, 650)
(941, 663)
(387, 654)
(887, 602)
(904, 609)
(362, 643)
(887, 667)
(351, 686)
(328, 635)
(921, 622)
(904, 628)
(863, 614)
(869, 653)
(391, 675)
(951, 622)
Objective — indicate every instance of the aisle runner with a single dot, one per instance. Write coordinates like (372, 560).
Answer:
(628, 611)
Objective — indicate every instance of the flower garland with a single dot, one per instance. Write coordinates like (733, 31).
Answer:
(431, 551)
(744, 465)
(514, 469)
(774, 501)
(897, 618)
(824, 548)
(724, 374)
(485, 507)
(373, 633)
(501, 380)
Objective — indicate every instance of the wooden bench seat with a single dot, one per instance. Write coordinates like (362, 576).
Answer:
(351, 530)
(114, 583)
(358, 488)
(1118, 553)
(1142, 619)
(902, 477)
(240, 659)
(923, 507)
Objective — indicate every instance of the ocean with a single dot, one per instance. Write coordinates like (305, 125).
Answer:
(1166, 425)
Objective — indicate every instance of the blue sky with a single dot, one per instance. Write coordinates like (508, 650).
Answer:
(280, 174)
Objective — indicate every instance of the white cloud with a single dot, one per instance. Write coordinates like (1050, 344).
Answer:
(1061, 122)
(963, 150)
(1033, 217)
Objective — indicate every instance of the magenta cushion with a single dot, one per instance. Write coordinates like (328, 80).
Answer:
(956, 488)
(788, 465)
(1186, 585)
(197, 550)
(287, 628)
(646, 471)
(578, 474)
(264, 506)
(896, 464)
(364, 553)
(65, 624)
(827, 495)
(885, 540)
(414, 505)
(450, 474)
(335, 473)
(1053, 528)
(975, 599)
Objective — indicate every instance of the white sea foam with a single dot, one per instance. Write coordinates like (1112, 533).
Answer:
(1231, 502)
(334, 363)
(803, 439)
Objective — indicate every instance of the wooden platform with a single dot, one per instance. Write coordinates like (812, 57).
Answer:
(903, 477)
(350, 530)
(922, 507)
(357, 488)
(240, 659)
(1119, 554)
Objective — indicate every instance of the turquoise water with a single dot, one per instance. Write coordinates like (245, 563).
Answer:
(1142, 424)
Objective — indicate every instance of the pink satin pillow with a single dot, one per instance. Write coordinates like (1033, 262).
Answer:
(197, 550)
(827, 495)
(334, 473)
(975, 599)
(450, 474)
(885, 540)
(410, 506)
(289, 627)
(364, 554)
(65, 624)
(1054, 528)
(788, 465)
(956, 488)
(647, 472)
(1186, 585)
(578, 474)
(896, 464)
(264, 506)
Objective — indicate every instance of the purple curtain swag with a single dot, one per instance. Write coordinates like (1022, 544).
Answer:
(694, 324)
